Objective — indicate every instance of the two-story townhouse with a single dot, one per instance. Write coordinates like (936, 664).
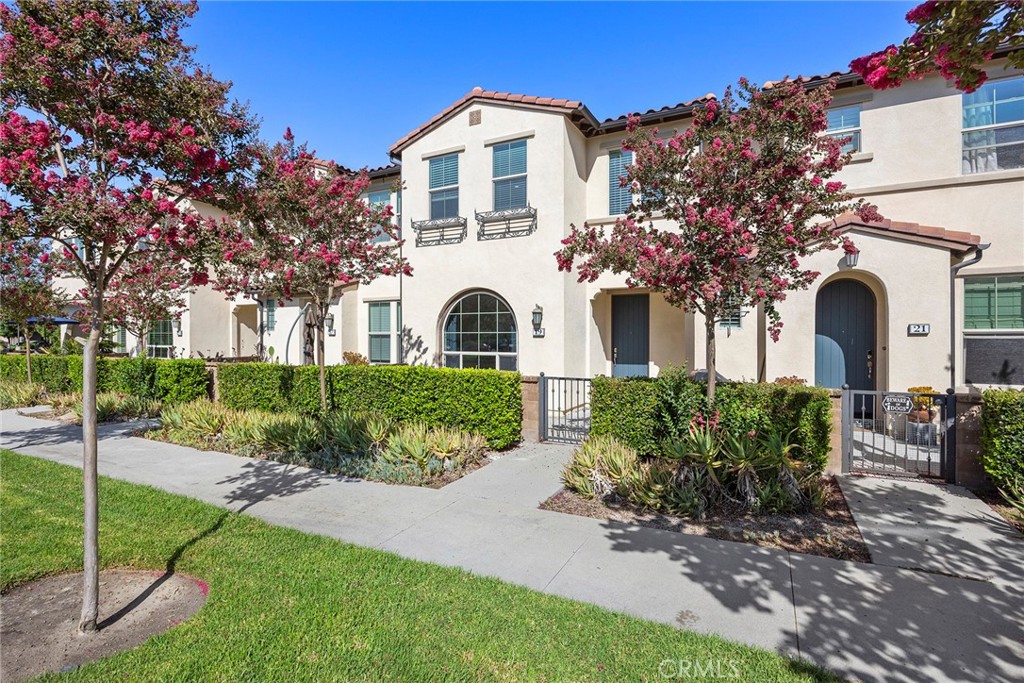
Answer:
(491, 184)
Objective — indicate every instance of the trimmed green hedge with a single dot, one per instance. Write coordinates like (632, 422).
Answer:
(642, 412)
(1002, 436)
(175, 381)
(255, 386)
(488, 402)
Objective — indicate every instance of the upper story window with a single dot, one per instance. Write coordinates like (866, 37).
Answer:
(510, 175)
(994, 303)
(619, 198)
(377, 199)
(732, 319)
(843, 123)
(444, 187)
(993, 126)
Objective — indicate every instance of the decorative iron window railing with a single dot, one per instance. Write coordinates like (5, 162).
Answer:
(494, 225)
(440, 231)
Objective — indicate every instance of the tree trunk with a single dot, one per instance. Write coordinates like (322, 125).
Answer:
(28, 355)
(320, 363)
(90, 568)
(709, 358)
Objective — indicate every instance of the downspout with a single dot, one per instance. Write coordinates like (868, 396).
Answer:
(978, 253)
(300, 316)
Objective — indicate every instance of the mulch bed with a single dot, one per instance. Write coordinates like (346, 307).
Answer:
(40, 625)
(829, 532)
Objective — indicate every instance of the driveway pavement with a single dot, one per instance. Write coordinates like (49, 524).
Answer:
(870, 622)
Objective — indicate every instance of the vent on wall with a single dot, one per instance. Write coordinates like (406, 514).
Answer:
(474, 117)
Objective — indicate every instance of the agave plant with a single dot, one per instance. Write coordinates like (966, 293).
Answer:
(345, 431)
(378, 429)
(743, 460)
(19, 394)
(776, 452)
(698, 457)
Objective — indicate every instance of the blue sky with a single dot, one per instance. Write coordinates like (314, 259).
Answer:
(352, 78)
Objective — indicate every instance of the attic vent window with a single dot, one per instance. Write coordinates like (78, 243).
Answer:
(474, 117)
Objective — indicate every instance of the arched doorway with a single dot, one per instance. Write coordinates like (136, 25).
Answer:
(845, 349)
(479, 331)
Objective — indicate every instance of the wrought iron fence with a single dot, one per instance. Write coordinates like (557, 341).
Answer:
(564, 404)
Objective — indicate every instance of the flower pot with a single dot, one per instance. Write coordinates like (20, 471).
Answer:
(920, 415)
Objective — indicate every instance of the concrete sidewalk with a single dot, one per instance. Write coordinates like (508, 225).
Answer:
(871, 622)
(934, 527)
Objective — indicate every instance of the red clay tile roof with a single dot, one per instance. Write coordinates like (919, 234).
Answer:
(572, 108)
(667, 113)
(955, 240)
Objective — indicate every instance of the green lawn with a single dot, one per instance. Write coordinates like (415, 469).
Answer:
(287, 606)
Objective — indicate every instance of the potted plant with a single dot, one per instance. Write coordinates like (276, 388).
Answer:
(920, 429)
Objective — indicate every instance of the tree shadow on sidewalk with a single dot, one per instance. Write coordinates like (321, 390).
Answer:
(261, 480)
(865, 621)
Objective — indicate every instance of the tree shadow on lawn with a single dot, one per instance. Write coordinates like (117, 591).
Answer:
(866, 621)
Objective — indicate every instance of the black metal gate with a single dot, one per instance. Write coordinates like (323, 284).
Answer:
(564, 404)
(899, 433)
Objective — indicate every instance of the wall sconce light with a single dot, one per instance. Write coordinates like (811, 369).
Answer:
(329, 324)
(176, 326)
(852, 257)
(538, 319)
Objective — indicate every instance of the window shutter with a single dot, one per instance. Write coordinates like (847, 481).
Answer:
(444, 171)
(619, 198)
(509, 159)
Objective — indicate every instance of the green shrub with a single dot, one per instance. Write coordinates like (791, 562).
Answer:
(626, 408)
(182, 380)
(1002, 436)
(487, 402)
(644, 412)
(255, 386)
(49, 370)
(135, 376)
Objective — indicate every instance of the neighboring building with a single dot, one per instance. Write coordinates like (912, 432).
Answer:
(493, 182)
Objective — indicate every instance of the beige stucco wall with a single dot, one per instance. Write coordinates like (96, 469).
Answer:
(910, 286)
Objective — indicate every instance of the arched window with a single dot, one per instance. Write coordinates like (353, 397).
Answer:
(480, 332)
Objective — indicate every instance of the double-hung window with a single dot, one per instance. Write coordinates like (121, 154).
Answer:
(619, 198)
(161, 339)
(385, 322)
(994, 329)
(444, 187)
(118, 339)
(844, 123)
(510, 175)
(993, 126)
(379, 199)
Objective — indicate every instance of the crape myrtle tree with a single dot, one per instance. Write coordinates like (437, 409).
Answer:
(149, 290)
(303, 231)
(27, 292)
(97, 97)
(953, 37)
(742, 195)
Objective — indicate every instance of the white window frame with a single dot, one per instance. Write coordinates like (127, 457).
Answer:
(443, 188)
(159, 350)
(849, 131)
(964, 131)
(381, 236)
(392, 334)
(509, 178)
(461, 354)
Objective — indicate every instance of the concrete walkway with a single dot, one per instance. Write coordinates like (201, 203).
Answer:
(869, 622)
(933, 527)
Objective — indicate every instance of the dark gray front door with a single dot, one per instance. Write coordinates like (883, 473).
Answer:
(631, 335)
(844, 336)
